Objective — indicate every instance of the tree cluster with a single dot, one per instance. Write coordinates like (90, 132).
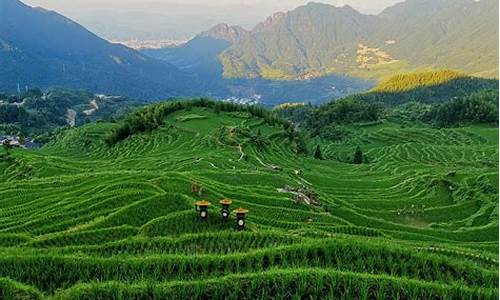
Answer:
(480, 107)
(342, 112)
(153, 116)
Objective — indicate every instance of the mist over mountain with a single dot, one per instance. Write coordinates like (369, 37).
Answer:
(175, 19)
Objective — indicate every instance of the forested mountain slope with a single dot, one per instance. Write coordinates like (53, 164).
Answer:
(318, 39)
(40, 48)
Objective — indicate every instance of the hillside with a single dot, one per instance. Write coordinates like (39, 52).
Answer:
(38, 113)
(435, 98)
(47, 49)
(83, 220)
(411, 81)
(318, 39)
(314, 53)
(427, 87)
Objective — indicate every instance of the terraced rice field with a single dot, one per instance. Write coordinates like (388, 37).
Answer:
(420, 220)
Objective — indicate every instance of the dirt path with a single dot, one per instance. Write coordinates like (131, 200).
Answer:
(94, 108)
(241, 151)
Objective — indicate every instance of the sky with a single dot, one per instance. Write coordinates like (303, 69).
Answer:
(179, 19)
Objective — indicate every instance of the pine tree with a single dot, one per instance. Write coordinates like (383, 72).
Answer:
(358, 156)
(317, 153)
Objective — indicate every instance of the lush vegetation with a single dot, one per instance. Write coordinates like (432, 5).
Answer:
(481, 107)
(410, 81)
(401, 210)
(439, 99)
(37, 113)
(322, 39)
(426, 88)
(328, 117)
(153, 116)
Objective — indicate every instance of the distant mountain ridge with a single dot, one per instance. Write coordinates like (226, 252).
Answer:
(225, 32)
(314, 53)
(40, 48)
(318, 39)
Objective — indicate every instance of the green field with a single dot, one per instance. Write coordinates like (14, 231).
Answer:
(419, 220)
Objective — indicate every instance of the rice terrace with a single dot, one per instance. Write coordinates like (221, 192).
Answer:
(249, 150)
(81, 219)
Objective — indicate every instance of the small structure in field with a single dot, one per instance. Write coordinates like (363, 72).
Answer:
(225, 208)
(202, 208)
(240, 218)
(276, 168)
(302, 195)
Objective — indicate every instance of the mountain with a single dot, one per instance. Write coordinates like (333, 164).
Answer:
(457, 34)
(202, 56)
(314, 53)
(318, 39)
(47, 49)
(296, 44)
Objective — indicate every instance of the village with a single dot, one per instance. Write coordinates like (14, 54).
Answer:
(15, 141)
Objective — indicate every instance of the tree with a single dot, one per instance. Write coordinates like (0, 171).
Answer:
(358, 156)
(299, 145)
(317, 153)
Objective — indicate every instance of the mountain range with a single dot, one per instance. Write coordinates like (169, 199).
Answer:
(314, 53)
(318, 39)
(42, 48)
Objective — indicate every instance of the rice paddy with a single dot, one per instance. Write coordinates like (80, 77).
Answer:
(418, 220)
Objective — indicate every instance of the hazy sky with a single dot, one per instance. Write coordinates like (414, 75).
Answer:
(178, 19)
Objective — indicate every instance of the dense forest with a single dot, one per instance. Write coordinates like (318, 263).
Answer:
(441, 99)
(427, 87)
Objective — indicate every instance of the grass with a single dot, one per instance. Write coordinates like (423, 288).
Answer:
(81, 220)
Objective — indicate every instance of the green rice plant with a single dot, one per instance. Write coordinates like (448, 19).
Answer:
(280, 284)
(11, 290)
(417, 220)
